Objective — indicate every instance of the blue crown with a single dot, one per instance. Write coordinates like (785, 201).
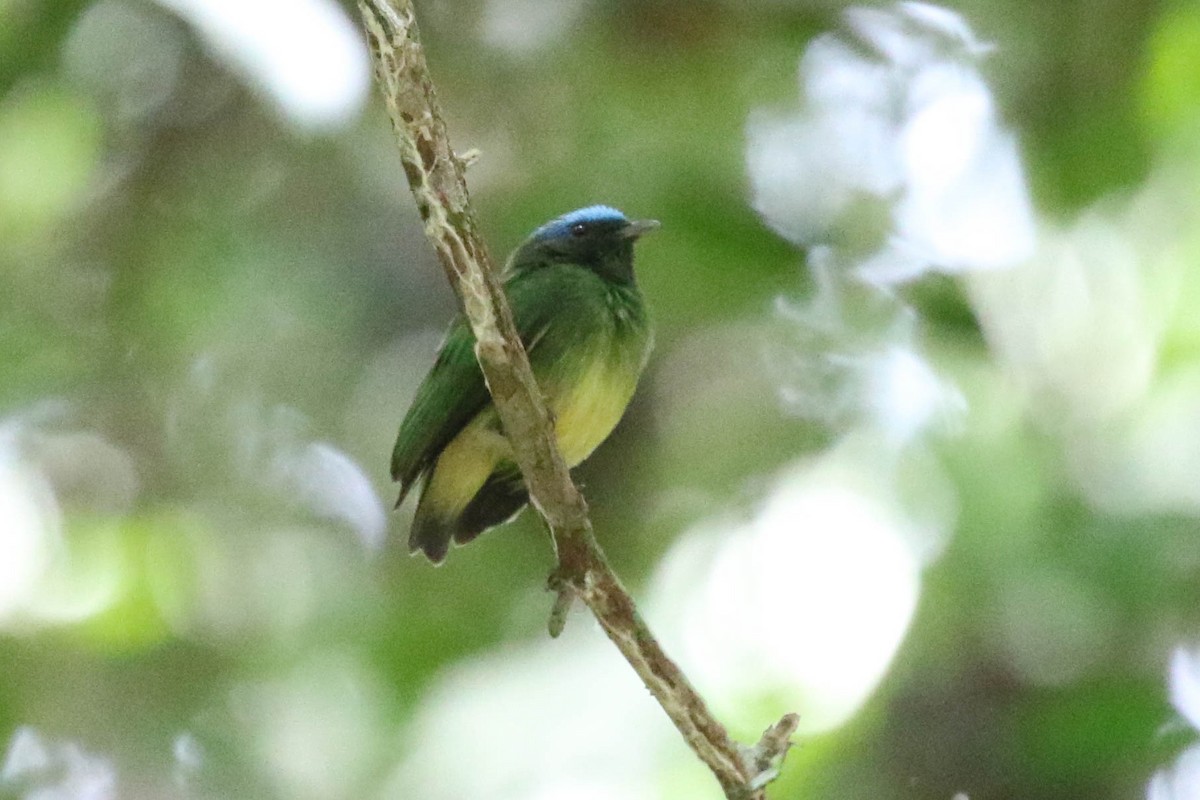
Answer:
(562, 226)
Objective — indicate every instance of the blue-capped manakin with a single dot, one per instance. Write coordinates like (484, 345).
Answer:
(581, 317)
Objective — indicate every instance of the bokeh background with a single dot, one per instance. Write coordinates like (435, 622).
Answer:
(917, 454)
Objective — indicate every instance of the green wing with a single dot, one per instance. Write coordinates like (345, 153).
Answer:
(454, 392)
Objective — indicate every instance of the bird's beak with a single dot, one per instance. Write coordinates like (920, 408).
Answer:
(638, 227)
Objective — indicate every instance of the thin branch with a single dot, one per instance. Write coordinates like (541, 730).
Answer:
(436, 177)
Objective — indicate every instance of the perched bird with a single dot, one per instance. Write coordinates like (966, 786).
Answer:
(581, 317)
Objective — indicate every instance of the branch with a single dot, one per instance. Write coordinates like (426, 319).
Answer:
(436, 177)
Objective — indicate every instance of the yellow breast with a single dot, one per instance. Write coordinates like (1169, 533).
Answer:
(587, 411)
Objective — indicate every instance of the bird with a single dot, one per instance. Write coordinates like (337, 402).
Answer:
(582, 319)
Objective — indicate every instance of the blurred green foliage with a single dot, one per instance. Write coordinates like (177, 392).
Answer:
(179, 277)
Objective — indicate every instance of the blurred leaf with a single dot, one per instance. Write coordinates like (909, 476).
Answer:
(1090, 735)
(49, 151)
(1170, 93)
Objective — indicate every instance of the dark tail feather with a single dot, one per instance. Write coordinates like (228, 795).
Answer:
(498, 501)
(430, 535)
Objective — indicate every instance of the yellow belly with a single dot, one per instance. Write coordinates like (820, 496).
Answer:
(586, 413)
(465, 464)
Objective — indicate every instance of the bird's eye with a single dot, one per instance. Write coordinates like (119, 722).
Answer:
(578, 229)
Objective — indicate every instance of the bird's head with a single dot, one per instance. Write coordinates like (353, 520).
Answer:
(597, 237)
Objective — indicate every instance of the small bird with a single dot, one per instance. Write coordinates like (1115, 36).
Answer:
(581, 317)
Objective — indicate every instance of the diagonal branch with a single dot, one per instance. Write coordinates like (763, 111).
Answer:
(436, 177)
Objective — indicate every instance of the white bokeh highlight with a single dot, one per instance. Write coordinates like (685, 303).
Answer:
(850, 358)
(536, 721)
(42, 580)
(1083, 331)
(212, 420)
(318, 727)
(305, 55)
(804, 604)
(1183, 682)
(32, 526)
(894, 164)
(40, 768)
(1181, 780)
(332, 486)
(896, 152)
